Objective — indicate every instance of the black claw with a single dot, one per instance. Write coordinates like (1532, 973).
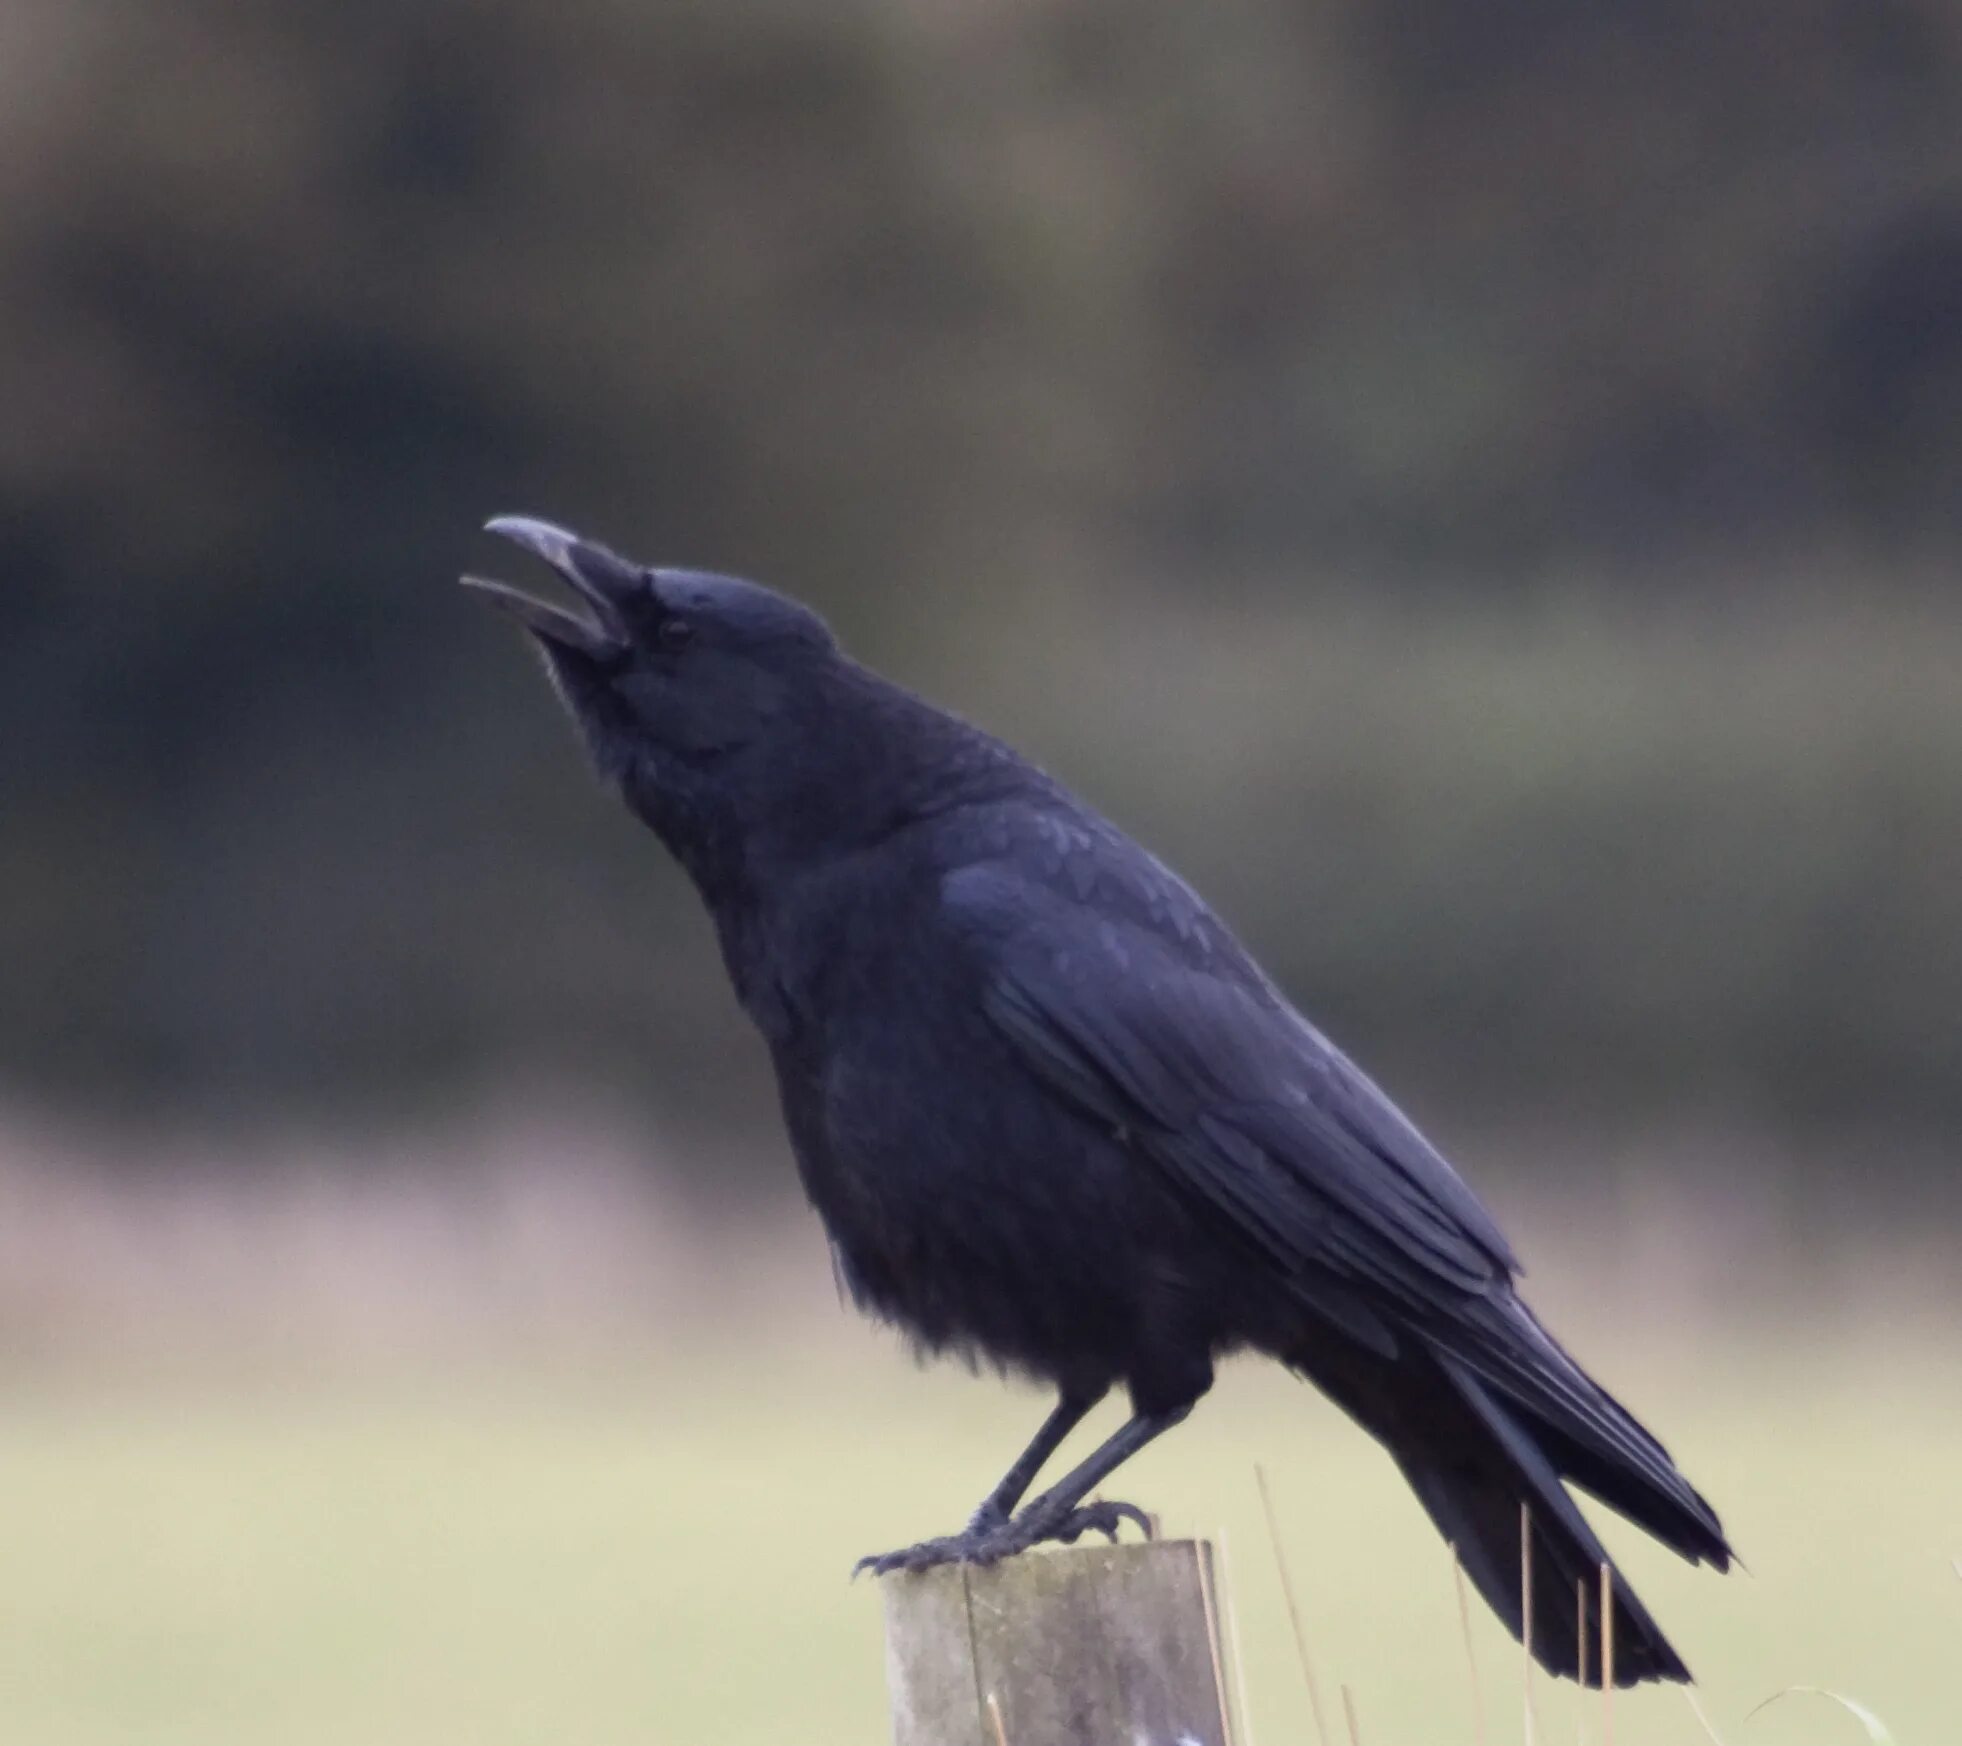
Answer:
(990, 1542)
(1101, 1518)
(949, 1549)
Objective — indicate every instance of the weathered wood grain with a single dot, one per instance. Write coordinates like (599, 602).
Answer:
(1097, 1646)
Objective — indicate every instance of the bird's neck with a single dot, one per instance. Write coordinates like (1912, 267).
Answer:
(871, 760)
(865, 760)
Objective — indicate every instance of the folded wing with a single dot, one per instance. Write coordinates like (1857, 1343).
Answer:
(1134, 1005)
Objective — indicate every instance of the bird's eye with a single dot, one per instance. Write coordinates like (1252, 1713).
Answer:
(675, 633)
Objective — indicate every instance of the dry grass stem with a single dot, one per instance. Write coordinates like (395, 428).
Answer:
(1696, 1708)
(1607, 1654)
(1349, 1709)
(1877, 1730)
(1471, 1659)
(1230, 1616)
(1294, 1611)
(1211, 1609)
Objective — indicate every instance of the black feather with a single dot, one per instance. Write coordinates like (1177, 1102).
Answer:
(1054, 1116)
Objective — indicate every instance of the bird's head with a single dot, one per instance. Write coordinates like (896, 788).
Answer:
(689, 688)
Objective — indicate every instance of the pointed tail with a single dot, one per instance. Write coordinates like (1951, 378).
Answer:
(1503, 1461)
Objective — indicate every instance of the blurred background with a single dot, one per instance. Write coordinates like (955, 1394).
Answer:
(1474, 487)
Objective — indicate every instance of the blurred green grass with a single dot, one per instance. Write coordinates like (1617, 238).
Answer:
(659, 1553)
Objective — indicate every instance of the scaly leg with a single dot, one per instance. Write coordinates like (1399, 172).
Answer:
(1058, 1514)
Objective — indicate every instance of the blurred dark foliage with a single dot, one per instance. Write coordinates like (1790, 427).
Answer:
(1496, 361)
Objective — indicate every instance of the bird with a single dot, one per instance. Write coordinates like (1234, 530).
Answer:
(1055, 1118)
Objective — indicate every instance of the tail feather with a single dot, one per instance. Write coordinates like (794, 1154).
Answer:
(1488, 1418)
(1477, 1489)
(1586, 1434)
(1689, 1528)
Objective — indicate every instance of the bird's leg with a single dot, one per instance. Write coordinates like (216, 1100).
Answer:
(992, 1517)
(999, 1504)
(1060, 1512)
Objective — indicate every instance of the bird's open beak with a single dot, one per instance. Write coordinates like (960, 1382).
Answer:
(602, 581)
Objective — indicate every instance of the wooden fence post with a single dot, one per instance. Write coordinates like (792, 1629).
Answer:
(1095, 1646)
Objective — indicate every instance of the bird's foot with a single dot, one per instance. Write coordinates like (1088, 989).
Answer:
(963, 1548)
(988, 1538)
(1101, 1517)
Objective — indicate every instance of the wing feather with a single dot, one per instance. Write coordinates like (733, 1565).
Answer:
(1142, 1011)
(1230, 1091)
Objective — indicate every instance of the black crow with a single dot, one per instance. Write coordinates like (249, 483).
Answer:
(1054, 1116)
